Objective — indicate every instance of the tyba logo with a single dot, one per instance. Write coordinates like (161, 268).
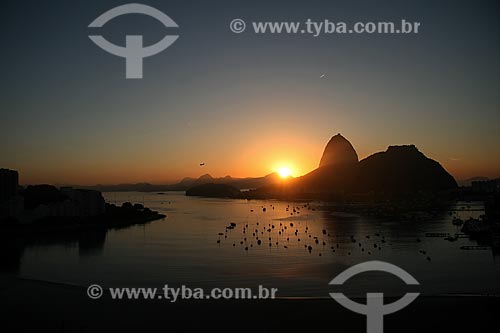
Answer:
(374, 309)
(134, 51)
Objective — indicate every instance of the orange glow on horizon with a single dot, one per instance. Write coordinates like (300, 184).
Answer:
(289, 150)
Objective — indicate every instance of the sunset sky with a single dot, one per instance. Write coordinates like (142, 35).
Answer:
(245, 104)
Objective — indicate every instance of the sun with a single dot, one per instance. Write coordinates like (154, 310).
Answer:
(284, 172)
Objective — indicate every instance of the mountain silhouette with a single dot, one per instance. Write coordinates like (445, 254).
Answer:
(402, 169)
(398, 170)
(187, 183)
(338, 151)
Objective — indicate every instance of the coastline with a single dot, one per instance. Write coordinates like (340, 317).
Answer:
(105, 221)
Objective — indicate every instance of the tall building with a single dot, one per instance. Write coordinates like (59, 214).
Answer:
(9, 184)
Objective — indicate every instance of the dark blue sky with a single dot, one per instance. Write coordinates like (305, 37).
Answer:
(245, 103)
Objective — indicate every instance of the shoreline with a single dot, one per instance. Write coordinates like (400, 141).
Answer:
(56, 225)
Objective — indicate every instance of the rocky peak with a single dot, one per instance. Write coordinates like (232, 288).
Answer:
(338, 151)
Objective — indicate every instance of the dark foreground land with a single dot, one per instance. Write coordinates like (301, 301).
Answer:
(40, 306)
(113, 218)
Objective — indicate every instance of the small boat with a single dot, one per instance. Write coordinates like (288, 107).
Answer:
(232, 225)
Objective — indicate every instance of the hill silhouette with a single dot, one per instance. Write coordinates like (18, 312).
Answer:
(187, 183)
(402, 169)
(338, 151)
(398, 170)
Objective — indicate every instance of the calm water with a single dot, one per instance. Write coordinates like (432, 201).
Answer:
(183, 249)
